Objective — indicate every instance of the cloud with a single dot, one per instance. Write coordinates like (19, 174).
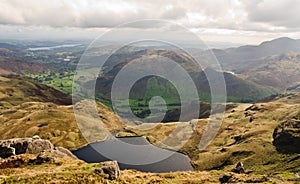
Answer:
(280, 13)
(263, 16)
(88, 13)
(106, 13)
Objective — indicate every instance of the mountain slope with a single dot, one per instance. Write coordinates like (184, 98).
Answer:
(28, 108)
(16, 90)
(237, 88)
(16, 65)
(255, 134)
(242, 58)
(272, 64)
(278, 71)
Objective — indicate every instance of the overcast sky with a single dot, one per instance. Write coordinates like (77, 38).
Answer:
(240, 21)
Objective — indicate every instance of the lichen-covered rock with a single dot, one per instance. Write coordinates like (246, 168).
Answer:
(111, 168)
(39, 145)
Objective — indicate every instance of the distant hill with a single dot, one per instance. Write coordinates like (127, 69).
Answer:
(244, 57)
(273, 63)
(11, 46)
(16, 90)
(237, 88)
(278, 71)
(16, 65)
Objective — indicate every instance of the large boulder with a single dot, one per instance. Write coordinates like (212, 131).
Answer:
(111, 168)
(287, 136)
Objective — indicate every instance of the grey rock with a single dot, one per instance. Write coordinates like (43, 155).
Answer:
(34, 145)
(39, 145)
(111, 168)
(64, 152)
(239, 168)
(225, 178)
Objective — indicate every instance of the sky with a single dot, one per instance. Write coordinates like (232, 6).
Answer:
(236, 21)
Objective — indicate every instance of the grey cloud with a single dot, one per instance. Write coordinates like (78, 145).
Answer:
(254, 15)
(284, 13)
(76, 13)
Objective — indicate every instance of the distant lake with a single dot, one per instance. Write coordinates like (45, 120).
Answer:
(134, 153)
(52, 47)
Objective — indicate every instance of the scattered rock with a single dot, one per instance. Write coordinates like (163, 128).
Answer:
(223, 150)
(111, 168)
(239, 168)
(12, 162)
(225, 178)
(251, 119)
(238, 139)
(228, 128)
(43, 157)
(247, 114)
(294, 179)
(258, 180)
(253, 107)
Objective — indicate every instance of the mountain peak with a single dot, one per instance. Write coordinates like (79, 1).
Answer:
(279, 41)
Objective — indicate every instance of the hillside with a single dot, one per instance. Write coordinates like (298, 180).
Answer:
(248, 134)
(28, 108)
(238, 90)
(273, 63)
(15, 65)
(16, 90)
(242, 58)
(278, 71)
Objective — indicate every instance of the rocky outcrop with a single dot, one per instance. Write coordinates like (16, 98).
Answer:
(13, 152)
(111, 168)
(18, 146)
(287, 136)
(34, 145)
